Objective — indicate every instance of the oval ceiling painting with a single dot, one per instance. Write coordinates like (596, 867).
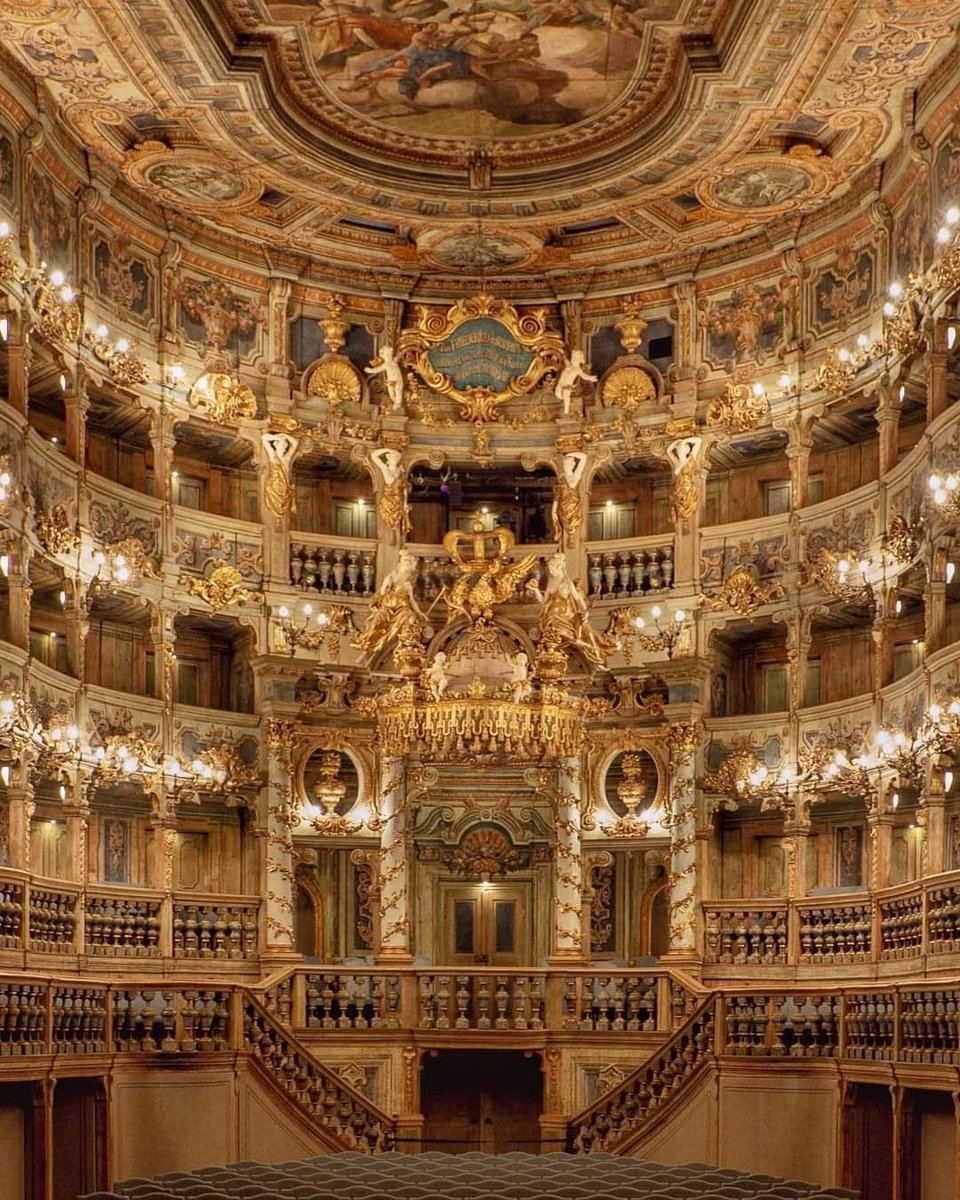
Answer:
(491, 69)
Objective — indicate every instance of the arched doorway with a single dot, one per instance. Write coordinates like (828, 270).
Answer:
(308, 919)
(655, 916)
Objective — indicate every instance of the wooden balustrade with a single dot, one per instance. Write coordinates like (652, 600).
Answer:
(488, 1000)
(117, 926)
(214, 928)
(52, 914)
(835, 933)
(901, 926)
(618, 1003)
(121, 922)
(630, 571)
(352, 1001)
(333, 566)
(903, 923)
(739, 933)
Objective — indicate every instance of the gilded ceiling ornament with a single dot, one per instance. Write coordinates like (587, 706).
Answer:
(627, 388)
(743, 592)
(128, 562)
(335, 380)
(222, 588)
(740, 409)
(481, 352)
(56, 534)
(222, 398)
(631, 325)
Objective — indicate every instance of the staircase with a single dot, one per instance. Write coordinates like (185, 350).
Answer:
(620, 1119)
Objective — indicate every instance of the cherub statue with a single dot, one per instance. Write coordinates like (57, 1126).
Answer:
(392, 506)
(519, 679)
(566, 512)
(436, 675)
(563, 616)
(574, 369)
(395, 615)
(387, 366)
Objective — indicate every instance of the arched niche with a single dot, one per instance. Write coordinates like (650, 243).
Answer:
(628, 774)
(332, 780)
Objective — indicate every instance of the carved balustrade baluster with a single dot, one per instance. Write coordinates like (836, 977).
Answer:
(463, 1002)
(502, 998)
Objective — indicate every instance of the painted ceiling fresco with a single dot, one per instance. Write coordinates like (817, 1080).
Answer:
(458, 68)
(509, 135)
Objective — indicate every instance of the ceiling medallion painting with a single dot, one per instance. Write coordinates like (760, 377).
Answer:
(477, 249)
(768, 183)
(439, 68)
(481, 352)
(189, 178)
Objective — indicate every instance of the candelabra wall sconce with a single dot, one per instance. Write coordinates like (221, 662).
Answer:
(313, 628)
(661, 635)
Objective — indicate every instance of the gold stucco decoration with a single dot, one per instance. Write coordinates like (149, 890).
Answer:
(627, 388)
(336, 381)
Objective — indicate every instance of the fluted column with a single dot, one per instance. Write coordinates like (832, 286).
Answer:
(567, 942)
(395, 874)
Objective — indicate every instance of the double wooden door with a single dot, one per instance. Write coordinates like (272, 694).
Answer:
(486, 925)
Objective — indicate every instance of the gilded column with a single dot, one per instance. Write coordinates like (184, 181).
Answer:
(567, 867)
(682, 822)
(278, 817)
(395, 875)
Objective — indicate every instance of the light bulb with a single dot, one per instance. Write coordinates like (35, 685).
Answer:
(4, 229)
(951, 336)
(843, 354)
(951, 571)
(952, 215)
(898, 607)
(609, 504)
(843, 566)
(639, 622)
(308, 610)
(63, 599)
(934, 712)
(4, 328)
(889, 309)
(57, 278)
(951, 481)
(940, 496)
(896, 290)
(73, 732)
(5, 775)
(656, 612)
(679, 616)
(863, 341)
(66, 293)
(102, 332)
(758, 389)
(947, 780)
(283, 612)
(323, 618)
(954, 708)
(895, 800)
(943, 235)
(785, 382)
(123, 346)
